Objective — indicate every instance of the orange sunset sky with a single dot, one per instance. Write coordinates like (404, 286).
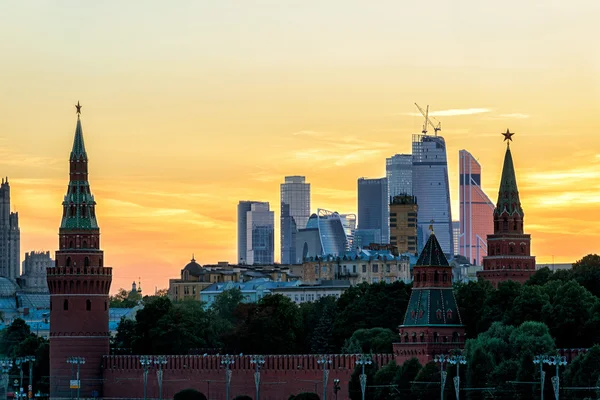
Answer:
(191, 106)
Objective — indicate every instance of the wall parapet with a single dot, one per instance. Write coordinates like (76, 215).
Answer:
(296, 362)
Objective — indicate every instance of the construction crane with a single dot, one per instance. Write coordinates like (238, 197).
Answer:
(425, 114)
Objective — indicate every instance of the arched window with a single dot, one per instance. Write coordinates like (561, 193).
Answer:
(84, 245)
(449, 314)
(88, 305)
(68, 262)
(438, 314)
(505, 224)
(511, 249)
(436, 277)
(71, 244)
(86, 262)
(435, 337)
(66, 305)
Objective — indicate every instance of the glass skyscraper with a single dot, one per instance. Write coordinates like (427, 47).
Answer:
(295, 211)
(476, 210)
(373, 206)
(431, 188)
(398, 170)
(260, 234)
(242, 209)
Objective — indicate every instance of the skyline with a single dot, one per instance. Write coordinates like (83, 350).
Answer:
(272, 92)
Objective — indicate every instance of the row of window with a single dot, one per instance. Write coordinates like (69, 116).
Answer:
(88, 305)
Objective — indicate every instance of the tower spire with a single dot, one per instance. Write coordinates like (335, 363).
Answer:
(508, 195)
(78, 150)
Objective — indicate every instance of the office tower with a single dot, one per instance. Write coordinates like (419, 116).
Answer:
(431, 188)
(509, 248)
(403, 223)
(476, 210)
(10, 236)
(260, 234)
(373, 206)
(365, 237)
(326, 233)
(242, 232)
(455, 236)
(295, 211)
(349, 224)
(398, 170)
(33, 278)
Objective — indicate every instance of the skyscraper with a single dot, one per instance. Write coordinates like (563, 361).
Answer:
(373, 206)
(260, 234)
(403, 223)
(10, 236)
(398, 170)
(431, 188)
(509, 248)
(476, 210)
(242, 233)
(295, 211)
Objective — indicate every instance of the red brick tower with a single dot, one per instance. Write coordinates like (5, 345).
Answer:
(79, 285)
(509, 249)
(432, 323)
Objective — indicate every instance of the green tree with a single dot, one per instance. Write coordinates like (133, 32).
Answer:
(322, 336)
(124, 299)
(123, 340)
(305, 396)
(385, 377)
(374, 340)
(427, 390)
(189, 394)
(471, 298)
(583, 371)
(498, 304)
(354, 390)
(12, 337)
(527, 306)
(311, 314)
(407, 374)
(587, 272)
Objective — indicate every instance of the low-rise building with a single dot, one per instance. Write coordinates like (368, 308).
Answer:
(303, 293)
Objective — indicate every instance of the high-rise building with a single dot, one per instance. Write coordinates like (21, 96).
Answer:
(431, 188)
(10, 236)
(476, 210)
(295, 211)
(509, 249)
(364, 237)
(455, 236)
(373, 206)
(79, 285)
(326, 233)
(33, 278)
(260, 234)
(242, 232)
(403, 223)
(398, 170)
(349, 224)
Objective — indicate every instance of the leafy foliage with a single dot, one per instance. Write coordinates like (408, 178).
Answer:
(189, 394)
(305, 396)
(374, 340)
(125, 299)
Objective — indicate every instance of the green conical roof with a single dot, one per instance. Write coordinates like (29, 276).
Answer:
(78, 145)
(432, 254)
(508, 196)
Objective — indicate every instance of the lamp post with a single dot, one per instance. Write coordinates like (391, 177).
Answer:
(78, 361)
(363, 360)
(146, 362)
(325, 360)
(336, 387)
(557, 361)
(457, 360)
(21, 361)
(5, 366)
(227, 360)
(541, 359)
(442, 359)
(160, 362)
(257, 361)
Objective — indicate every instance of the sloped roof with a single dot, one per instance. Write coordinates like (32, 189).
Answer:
(436, 306)
(432, 254)
(508, 195)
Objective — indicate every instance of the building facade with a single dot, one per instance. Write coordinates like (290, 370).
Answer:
(455, 236)
(398, 171)
(33, 278)
(509, 248)
(365, 237)
(326, 232)
(295, 211)
(476, 210)
(403, 223)
(242, 229)
(79, 285)
(373, 206)
(432, 190)
(10, 236)
(260, 234)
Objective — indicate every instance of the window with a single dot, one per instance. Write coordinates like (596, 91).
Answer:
(387, 268)
(364, 269)
(375, 280)
(66, 305)
(375, 268)
(68, 262)
(88, 305)
(86, 262)
(354, 269)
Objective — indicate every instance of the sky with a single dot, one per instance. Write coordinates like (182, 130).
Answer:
(191, 106)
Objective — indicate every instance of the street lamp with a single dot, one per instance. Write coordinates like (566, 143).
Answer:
(457, 360)
(541, 359)
(363, 360)
(558, 361)
(21, 361)
(336, 387)
(324, 360)
(257, 361)
(442, 359)
(79, 361)
(5, 366)
(160, 362)
(146, 362)
(227, 360)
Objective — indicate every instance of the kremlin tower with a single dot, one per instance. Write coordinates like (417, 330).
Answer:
(79, 285)
(509, 249)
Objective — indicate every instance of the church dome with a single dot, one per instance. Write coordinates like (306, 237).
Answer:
(193, 268)
(7, 287)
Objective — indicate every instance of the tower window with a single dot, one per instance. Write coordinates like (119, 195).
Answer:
(66, 305)
(88, 305)
(68, 262)
(71, 244)
(84, 244)
(86, 262)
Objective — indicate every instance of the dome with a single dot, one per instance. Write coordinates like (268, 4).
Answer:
(193, 268)
(7, 287)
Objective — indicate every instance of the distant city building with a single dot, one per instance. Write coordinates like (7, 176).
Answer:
(403, 223)
(398, 170)
(509, 248)
(326, 232)
(476, 210)
(365, 237)
(431, 188)
(349, 224)
(10, 236)
(260, 238)
(242, 232)
(373, 203)
(33, 278)
(295, 211)
(455, 235)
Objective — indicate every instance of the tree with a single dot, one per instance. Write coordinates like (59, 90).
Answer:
(587, 272)
(305, 396)
(385, 377)
(583, 371)
(471, 298)
(189, 394)
(124, 299)
(314, 314)
(527, 306)
(12, 337)
(374, 340)
(322, 336)
(354, 389)
(243, 397)
(123, 340)
(408, 373)
(498, 303)
(429, 373)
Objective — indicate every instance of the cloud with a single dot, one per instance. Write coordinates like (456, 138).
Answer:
(342, 151)
(309, 133)
(452, 112)
(514, 115)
